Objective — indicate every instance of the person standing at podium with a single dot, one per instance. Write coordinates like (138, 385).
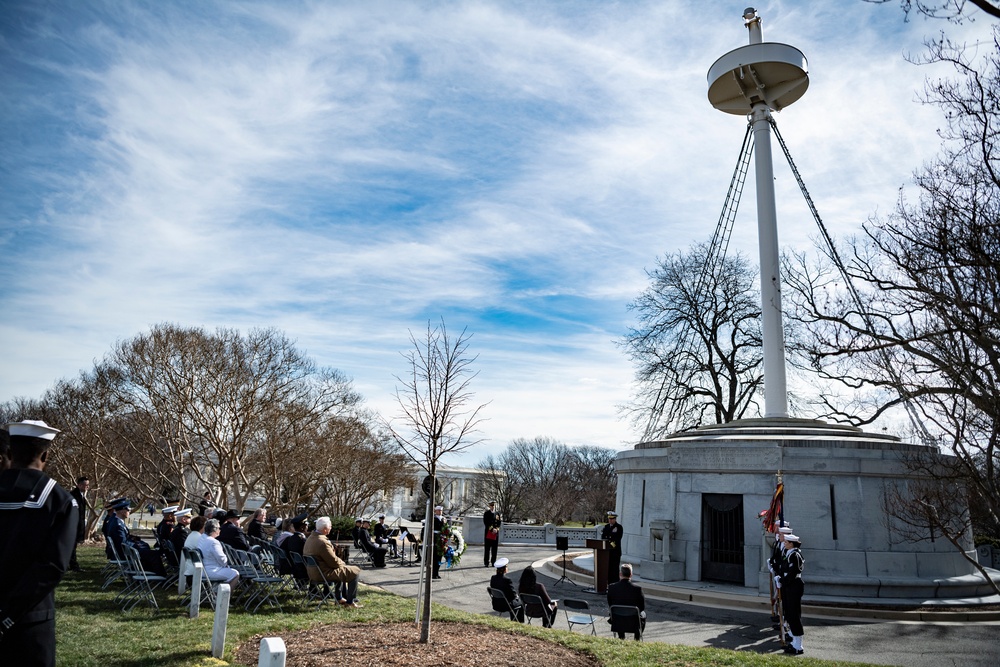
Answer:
(613, 533)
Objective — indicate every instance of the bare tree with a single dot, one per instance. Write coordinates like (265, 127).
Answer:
(437, 417)
(933, 501)
(214, 403)
(546, 480)
(924, 332)
(498, 485)
(697, 346)
(951, 10)
(595, 480)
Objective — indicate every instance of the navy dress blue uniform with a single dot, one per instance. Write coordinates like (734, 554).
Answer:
(81, 531)
(438, 528)
(501, 582)
(368, 546)
(491, 537)
(792, 589)
(38, 520)
(613, 533)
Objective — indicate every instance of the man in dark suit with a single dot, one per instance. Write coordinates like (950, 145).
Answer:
(624, 592)
(232, 534)
(38, 520)
(491, 539)
(501, 582)
(79, 494)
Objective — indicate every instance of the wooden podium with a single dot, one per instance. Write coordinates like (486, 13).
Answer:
(600, 548)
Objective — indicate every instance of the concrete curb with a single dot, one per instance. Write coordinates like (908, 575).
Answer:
(857, 609)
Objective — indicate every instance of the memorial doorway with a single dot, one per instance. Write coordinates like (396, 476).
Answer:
(722, 538)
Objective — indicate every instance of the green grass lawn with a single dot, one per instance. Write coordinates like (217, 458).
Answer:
(92, 631)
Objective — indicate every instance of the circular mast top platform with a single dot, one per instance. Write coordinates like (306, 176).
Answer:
(761, 72)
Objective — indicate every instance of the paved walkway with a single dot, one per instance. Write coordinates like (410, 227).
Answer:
(721, 617)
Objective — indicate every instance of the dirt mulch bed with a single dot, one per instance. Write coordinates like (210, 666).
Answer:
(391, 644)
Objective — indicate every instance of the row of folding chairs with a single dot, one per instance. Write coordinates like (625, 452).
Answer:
(577, 611)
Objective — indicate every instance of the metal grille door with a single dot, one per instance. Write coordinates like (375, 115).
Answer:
(722, 538)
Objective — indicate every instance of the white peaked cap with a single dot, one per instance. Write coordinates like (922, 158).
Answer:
(33, 429)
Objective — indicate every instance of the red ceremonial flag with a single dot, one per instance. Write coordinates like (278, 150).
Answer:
(775, 512)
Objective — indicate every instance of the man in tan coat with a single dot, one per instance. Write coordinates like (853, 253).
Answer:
(332, 567)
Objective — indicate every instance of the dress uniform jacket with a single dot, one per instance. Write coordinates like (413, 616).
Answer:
(613, 534)
(38, 520)
(502, 582)
(81, 514)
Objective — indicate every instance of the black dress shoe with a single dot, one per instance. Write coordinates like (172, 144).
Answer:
(792, 650)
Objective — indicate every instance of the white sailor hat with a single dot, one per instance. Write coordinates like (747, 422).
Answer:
(784, 530)
(793, 538)
(501, 563)
(183, 512)
(32, 428)
(169, 510)
(381, 516)
(439, 507)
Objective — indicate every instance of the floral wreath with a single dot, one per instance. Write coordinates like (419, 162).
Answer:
(451, 545)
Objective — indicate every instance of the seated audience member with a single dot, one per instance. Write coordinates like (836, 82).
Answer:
(346, 576)
(214, 557)
(119, 535)
(181, 530)
(381, 533)
(256, 526)
(624, 592)
(295, 542)
(175, 541)
(501, 582)
(365, 540)
(356, 533)
(232, 534)
(529, 584)
(191, 542)
(166, 525)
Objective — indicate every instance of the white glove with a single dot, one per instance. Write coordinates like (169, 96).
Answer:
(770, 569)
(777, 582)
(642, 614)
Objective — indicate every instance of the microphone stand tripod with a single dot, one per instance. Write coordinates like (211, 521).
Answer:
(564, 577)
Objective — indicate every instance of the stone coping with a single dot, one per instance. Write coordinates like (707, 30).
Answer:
(785, 432)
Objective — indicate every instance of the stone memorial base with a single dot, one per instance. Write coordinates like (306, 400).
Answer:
(690, 504)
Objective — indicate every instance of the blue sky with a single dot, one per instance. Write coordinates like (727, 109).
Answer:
(346, 172)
